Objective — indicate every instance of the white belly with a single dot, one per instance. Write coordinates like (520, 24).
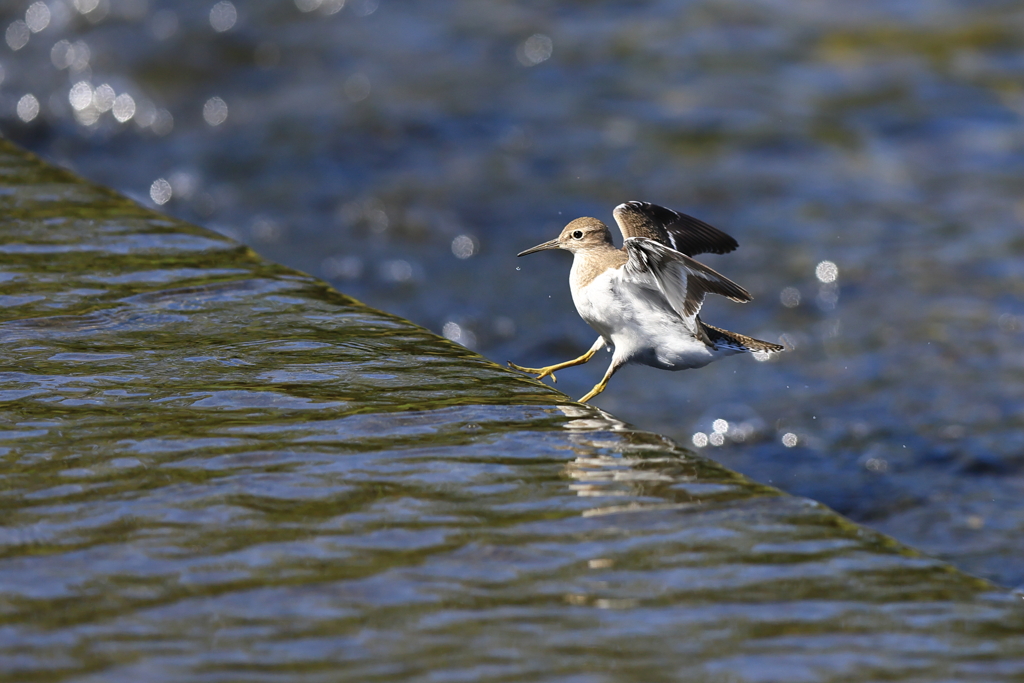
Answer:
(640, 324)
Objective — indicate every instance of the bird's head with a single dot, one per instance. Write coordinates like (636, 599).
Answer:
(580, 234)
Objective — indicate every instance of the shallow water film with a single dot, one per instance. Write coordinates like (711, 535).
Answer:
(407, 151)
(218, 469)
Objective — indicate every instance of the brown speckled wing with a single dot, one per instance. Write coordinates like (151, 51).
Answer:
(685, 234)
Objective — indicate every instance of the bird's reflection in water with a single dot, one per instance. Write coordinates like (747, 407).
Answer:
(590, 418)
(647, 472)
(622, 470)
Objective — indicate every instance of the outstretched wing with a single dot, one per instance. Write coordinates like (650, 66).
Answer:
(685, 234)
(681, 280)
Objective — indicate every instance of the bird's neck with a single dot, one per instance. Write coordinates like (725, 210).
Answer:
(588, 263)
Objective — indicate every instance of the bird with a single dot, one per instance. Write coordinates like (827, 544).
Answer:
(644, 298)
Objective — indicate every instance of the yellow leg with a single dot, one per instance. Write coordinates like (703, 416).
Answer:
(603, 383)
(550, 370)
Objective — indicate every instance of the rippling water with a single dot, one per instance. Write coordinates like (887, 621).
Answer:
(406, 152)
(220, 469)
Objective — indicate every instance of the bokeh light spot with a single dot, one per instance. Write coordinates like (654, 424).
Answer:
(1009, 323)
(451, 330)
(620, 132)
(459, 334)
(876, 465)
(79, 56)
(828, 296)
(790, 297)
(700, 439)
(463, 246)
(330, 7)
(86, 6)
(789, 439)
(223, 16)
(364, 8)
(826, 271)
(80, 95)
(103, 97)
(37, 17)
(215, 111)
(160, 191)
(163, 24)
(397, 270)
(265, 230)
(75, 55)
(504, 326)
(357, 87)
(720, 426)
(88, 116)
(342, 267)
(534, 50)
(163, 123)
(59, 54)
(184, 184)
(123, 108)
(17, 35)
(28, 107)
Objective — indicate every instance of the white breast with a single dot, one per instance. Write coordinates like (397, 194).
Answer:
(639, 322)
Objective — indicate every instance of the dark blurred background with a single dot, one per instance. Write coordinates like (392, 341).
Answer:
(868, 156)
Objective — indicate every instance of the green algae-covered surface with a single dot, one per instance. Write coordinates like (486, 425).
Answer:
(218, 469)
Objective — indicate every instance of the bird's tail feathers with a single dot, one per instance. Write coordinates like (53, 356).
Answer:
(736, 341)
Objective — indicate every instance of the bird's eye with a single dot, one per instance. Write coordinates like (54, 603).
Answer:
(577, 234)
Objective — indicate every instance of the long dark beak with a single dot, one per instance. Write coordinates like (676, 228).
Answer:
(553, 244)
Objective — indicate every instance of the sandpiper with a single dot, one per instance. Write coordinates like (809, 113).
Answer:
(644, 298)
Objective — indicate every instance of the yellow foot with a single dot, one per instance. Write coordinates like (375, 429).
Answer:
(600, 386)
(549, 371)
(540, 372)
